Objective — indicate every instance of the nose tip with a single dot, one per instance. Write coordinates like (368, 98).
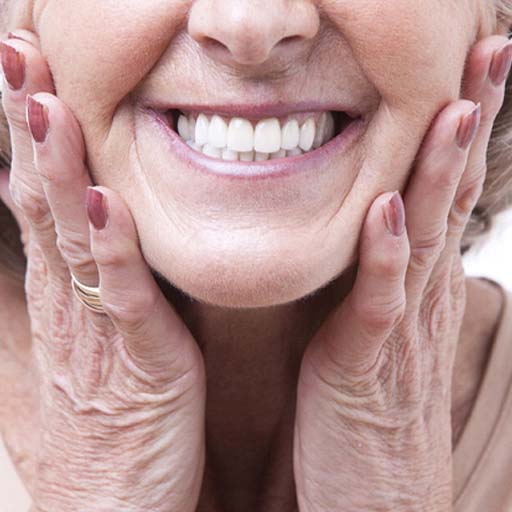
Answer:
(249, 32)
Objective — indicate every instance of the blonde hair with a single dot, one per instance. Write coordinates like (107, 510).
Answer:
(496, 197)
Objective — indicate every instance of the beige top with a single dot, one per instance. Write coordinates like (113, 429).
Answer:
(482, 458)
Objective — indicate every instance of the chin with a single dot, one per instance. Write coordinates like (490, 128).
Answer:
(248, 279)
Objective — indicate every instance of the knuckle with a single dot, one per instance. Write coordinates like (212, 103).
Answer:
(464, 204)
(435, 310)
(492, 109)
(131, 311)
(448, 177)
(108, 258)
(14, 110)
(380, 314)
(426, 251)
(75, 250)
(389, 263)
(31, 202)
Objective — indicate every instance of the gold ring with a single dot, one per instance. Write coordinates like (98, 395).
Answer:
(89, 296)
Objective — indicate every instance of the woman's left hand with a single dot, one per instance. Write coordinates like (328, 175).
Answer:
(373, 422)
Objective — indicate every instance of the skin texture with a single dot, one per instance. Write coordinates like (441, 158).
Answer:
(238, 244)
(400, 88)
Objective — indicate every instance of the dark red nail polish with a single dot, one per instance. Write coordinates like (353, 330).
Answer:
(394, 215)
(13, 64)
(11, 35)
(96, 208)
(38, 121)
(468, 127)
(500, 65)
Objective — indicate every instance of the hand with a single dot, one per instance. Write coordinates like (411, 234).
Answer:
(120, 396)
(373, 425)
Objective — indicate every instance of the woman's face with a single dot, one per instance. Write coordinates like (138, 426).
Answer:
(239, 241)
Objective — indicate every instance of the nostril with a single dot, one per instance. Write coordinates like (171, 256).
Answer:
(214, 44)
(290, 40)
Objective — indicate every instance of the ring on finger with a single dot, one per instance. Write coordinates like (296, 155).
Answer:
(89, 296)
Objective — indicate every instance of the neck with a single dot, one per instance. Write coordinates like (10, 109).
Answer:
(274, 335)
(252, 359)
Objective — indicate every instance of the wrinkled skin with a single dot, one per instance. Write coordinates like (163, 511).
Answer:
(234, 236)
(369, 374)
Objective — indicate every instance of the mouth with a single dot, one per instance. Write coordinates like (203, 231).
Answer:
(257, 141)
(251, 139)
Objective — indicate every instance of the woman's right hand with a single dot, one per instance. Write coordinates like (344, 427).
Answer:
(121, 399)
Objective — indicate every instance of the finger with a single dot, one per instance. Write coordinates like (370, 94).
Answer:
(25, 35)
(27, 72)
(155, 338)
(431, 191)
(353, 335)
(59, 152)
(487, 69)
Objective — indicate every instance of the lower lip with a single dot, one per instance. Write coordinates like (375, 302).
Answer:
(276, 168)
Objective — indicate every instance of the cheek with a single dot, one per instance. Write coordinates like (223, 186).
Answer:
(409, 50)
(414, 53)
(103, 48)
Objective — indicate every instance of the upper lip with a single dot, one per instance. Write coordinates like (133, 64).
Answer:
(259, 110)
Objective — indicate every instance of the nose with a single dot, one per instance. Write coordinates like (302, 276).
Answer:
(250, 32)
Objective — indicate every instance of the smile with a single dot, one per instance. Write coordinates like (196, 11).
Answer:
(237, 138)
(257, 146)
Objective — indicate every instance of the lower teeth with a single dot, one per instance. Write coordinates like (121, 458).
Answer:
(248, 156)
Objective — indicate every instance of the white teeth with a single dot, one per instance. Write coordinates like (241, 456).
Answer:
(307, 135)
(294, 152)
(278, 154)
(210, 150)
(183, 128)
(237, 139)
(247, 156)
(227, 154)
(267, 136)
(240, 135)
(193, 145)
(192, 126)
(261, 156)
(202, 128)
(320, 131)
(218, 132)
(291, 134)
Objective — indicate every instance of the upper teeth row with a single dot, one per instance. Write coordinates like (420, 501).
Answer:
(267, 136)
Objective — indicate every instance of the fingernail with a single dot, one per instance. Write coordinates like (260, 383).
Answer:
(468, 127)
(500, 65)
(37, 117)
(394, 215)
(12, 35)
(96, 208)
(13, 64)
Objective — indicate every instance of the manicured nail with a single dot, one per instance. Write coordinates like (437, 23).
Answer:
(96, 208)
(500, 65)
(37, 117)
(12, 35)
(13, 64)
(394, 215)
(468, 127)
